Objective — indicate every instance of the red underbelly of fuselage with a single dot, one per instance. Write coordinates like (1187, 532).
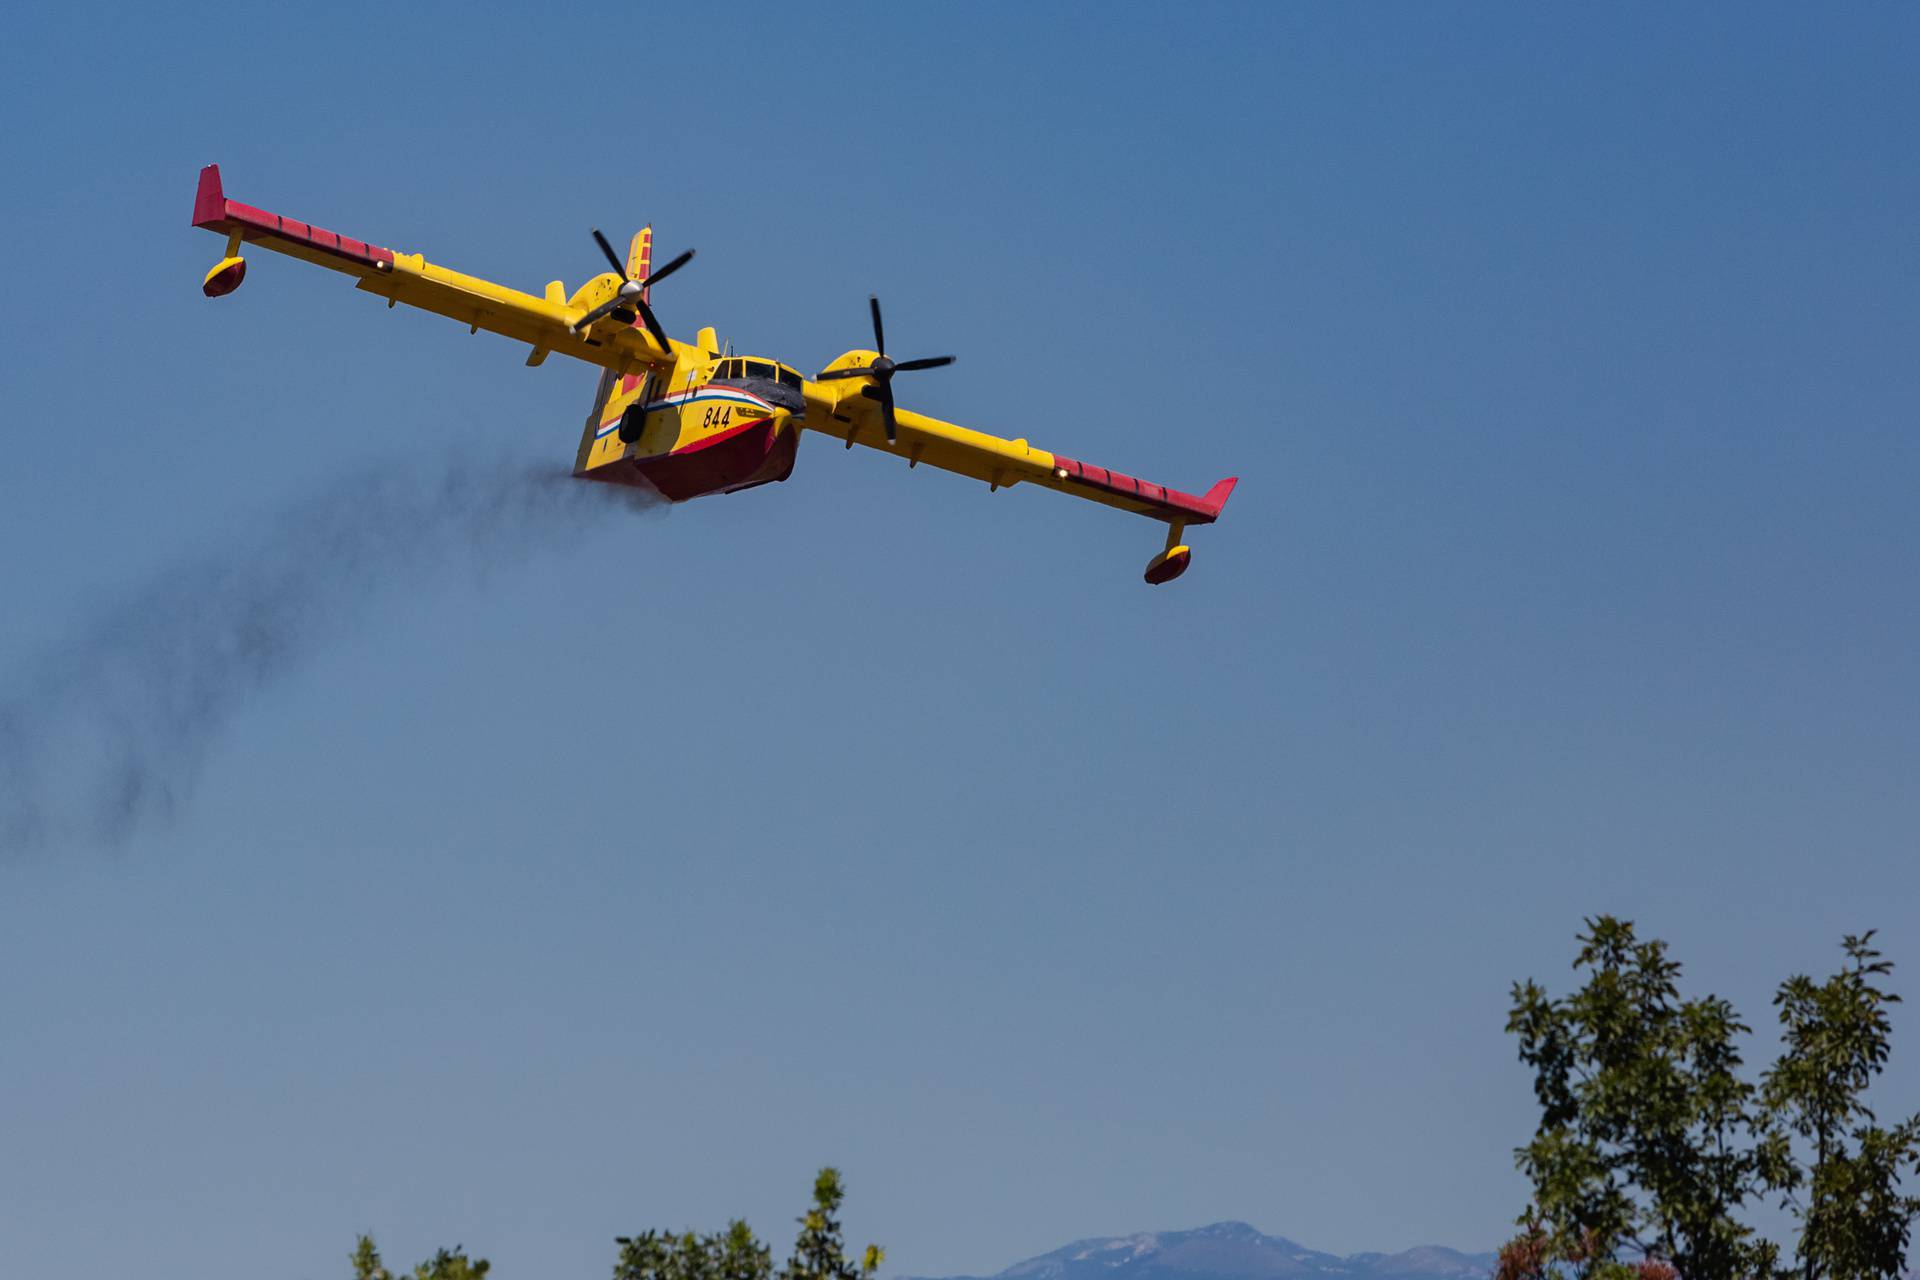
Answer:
(752, 453)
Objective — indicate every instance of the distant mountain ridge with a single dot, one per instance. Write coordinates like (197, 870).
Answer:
(1234, 1251)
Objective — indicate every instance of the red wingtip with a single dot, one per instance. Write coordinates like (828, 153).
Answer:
(1216, 497)
(210, 201)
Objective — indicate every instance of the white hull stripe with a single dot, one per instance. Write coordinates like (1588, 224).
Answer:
(699, 395)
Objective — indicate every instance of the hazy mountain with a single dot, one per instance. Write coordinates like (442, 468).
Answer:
(1235, 1251)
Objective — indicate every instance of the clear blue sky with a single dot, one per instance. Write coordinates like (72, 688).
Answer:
(1569, 361)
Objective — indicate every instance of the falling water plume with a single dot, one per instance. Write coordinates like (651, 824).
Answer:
(108, 733)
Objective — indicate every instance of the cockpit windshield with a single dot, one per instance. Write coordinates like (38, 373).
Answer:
(737, 370)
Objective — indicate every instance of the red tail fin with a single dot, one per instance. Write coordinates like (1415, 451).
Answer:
(640, 258)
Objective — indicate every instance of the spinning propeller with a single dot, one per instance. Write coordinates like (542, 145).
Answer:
(633, 292)
(882, 370)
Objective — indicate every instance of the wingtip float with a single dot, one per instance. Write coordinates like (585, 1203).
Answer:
(690, 419)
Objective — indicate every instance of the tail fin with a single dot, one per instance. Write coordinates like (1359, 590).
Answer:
(640, 260)
(598, 445)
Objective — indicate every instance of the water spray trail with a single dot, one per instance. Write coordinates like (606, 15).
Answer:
(108, 733)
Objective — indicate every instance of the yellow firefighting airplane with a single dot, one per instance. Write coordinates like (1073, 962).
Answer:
(688, 420)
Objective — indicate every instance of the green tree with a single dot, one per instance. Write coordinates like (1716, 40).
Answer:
(1651, 1144)
(446, 1264)
(1854, 1223)
(733, 1254)
(1643, 1147)
(366, 1261)
(819, 1252)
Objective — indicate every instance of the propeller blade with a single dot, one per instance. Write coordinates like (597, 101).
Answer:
(597, 312)
(881, 371)
(669, 269)
(886, 410)
(619, 267)
(653, 324)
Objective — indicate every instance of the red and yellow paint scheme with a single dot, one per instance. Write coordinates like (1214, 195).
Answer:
(688, 419)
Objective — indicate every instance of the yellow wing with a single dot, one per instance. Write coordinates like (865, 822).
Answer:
(544, 323)
(838, 408)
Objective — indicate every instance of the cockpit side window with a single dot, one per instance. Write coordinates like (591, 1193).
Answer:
(788, 378)
(759, 369)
